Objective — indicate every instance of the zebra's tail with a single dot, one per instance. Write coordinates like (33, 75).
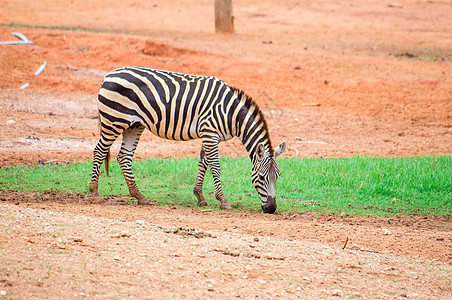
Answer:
(107, 163)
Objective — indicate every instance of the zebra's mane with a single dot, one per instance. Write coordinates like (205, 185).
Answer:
(249, 102)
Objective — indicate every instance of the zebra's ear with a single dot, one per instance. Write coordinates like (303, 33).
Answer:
(280, 149)
(260, 151)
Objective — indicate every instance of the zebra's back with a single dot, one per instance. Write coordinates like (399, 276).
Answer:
(171, 105)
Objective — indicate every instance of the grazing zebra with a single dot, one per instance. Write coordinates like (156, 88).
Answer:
(182, 107)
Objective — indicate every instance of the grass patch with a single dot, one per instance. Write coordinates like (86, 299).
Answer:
(357, 185)
(64, 28)
(365, 185)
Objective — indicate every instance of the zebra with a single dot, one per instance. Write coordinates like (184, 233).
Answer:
(182, 107)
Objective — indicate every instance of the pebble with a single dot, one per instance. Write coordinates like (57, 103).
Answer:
(386, 231)
(396, 5)
(125, 233)
(141, 222)
(354, 295)
(121, 234)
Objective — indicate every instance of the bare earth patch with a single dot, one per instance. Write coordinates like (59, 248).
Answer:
(77, 249)
(62, 246)
(334, 79)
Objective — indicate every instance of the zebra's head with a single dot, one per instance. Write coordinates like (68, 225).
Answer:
(264, 175)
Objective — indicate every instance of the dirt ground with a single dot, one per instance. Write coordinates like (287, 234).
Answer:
(334, 79)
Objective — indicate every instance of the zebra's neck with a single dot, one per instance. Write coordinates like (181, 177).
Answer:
(251, 126)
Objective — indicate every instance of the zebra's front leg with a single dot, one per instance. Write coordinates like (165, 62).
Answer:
(197, 190)
(210, 147)
(130, 138)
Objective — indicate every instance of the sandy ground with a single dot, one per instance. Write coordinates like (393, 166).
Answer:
(334, 79)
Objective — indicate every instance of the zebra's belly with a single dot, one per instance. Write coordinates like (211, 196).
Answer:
(188, 132)
(183, 132)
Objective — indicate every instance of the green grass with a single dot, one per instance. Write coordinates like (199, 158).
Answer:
(357, 185)
(64, 28)
(364, 185)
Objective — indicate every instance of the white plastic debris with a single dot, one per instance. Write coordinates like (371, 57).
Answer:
(23, 40)
(24, 86)
(41, 68)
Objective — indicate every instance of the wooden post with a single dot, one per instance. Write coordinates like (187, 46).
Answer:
(224, 20)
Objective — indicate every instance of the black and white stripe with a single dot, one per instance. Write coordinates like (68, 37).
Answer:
(182, 107)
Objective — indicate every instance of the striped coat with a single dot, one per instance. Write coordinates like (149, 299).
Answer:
(182, 107)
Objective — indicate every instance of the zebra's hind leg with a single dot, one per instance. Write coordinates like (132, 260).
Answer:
(202, 167)
(130, 138)
(101, 154)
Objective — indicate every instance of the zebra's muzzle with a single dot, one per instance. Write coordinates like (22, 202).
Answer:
(270, 206)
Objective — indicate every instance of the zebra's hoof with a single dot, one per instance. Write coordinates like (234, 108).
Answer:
(95, 199)
(202, 203)
(144, 201)
(226, 206)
